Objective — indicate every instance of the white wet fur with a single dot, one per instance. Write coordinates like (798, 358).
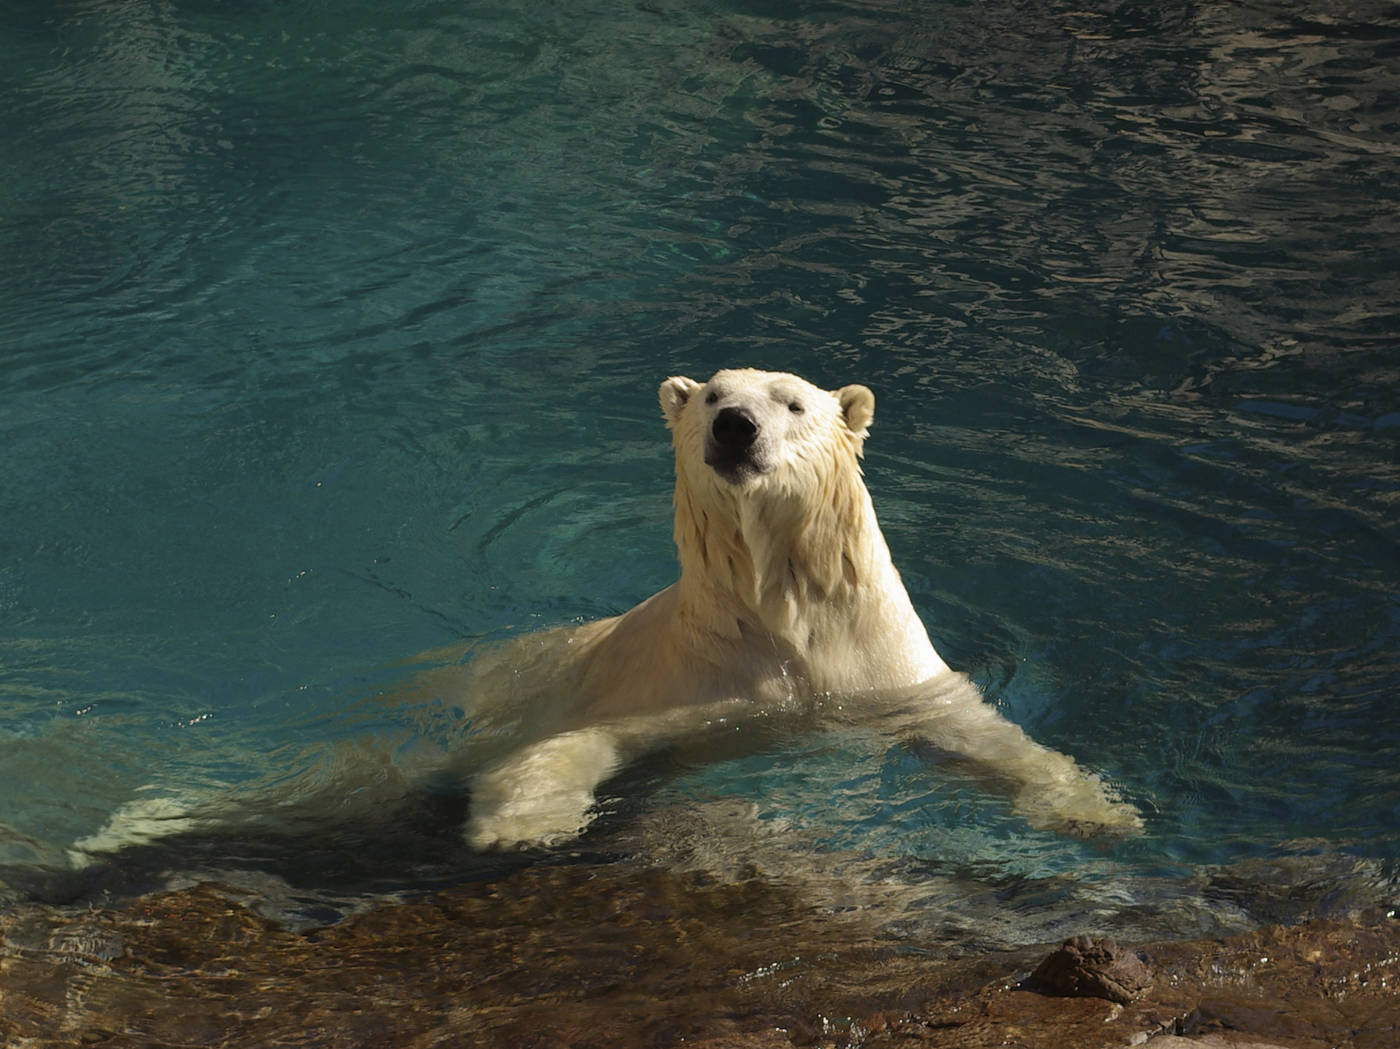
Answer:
(787, 600)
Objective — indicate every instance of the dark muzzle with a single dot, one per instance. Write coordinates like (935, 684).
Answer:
(734, 429)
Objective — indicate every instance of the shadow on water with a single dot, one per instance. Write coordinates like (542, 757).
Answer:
(314, 866)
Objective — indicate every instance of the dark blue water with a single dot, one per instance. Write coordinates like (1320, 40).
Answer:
(330, 334)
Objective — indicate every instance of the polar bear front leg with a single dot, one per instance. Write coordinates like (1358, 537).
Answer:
(1047, 788)
(541, 794)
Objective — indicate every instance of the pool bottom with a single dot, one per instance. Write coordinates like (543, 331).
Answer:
(623, 954)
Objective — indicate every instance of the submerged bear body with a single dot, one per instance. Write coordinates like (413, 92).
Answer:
(787, 600)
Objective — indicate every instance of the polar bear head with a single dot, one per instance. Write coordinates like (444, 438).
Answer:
(746, 428)
(770, 505)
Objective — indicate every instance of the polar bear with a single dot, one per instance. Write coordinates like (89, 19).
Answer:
(787, 596)
(787, 601)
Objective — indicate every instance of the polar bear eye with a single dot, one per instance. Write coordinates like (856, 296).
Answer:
(713, 398)
(795, 407)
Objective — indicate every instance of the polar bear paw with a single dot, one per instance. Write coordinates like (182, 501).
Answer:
(543, 794)
(1080, 808)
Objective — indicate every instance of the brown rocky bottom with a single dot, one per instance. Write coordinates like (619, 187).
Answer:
(614, 957)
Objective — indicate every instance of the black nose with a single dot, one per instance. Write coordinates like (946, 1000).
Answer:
(734, 428)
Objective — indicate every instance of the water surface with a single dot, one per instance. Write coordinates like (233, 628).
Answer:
(331, 336)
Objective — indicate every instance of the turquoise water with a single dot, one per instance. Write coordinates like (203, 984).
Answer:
(330, 335)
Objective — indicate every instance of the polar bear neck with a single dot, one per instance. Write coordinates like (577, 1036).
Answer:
(767, 556)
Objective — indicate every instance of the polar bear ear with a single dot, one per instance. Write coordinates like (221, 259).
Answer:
(858, 408)
(675, 392)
